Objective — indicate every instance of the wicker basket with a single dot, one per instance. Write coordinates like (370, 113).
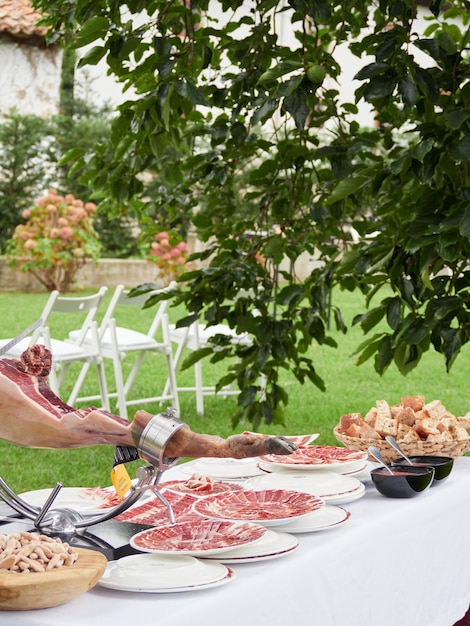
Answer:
(453, 449)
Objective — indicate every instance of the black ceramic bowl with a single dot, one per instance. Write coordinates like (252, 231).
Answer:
(406, 481)
(442, 465)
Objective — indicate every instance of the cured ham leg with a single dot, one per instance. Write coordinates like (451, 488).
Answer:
(32, 415)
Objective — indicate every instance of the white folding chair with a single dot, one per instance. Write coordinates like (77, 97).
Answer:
(117, 341)
(194, 337)
(66, 352)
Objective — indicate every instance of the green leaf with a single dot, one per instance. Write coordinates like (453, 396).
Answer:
(290, 295)
(247, 396)
(93, 56)
(187, 89)
(296, 105)
(377, 88)
(428, 84)
(372, 69)
(195, 356)
(460, 150)
(367, 349)
(371, 318)
(94, 28)
(384, 355)
(408, 90)
(71, 155)
(347, 187)
(394, 307)
(456, 118)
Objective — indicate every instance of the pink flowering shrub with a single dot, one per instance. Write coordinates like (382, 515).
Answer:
(170, 258)
(57, 239)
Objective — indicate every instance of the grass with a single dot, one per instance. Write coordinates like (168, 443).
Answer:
(349, 389)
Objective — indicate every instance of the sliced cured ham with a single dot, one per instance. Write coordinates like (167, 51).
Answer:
(155, 513)
(199, 536)
(318, 455)
(199, 485)
(265, 505)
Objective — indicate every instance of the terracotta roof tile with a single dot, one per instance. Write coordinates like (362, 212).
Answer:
(18, 18)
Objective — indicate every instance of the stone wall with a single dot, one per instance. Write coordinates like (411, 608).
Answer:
(109, 272)
(112, 272)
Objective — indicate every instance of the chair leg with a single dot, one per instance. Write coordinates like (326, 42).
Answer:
(78, 383)
(103, 386)
(171, 383)
(199, 389)
(118, 377)
(134, 371)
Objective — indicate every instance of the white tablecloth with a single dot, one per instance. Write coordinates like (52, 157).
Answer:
(393, 563)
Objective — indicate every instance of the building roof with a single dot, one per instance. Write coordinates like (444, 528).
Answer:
(18, 18)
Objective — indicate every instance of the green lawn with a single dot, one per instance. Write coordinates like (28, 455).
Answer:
(349, 389)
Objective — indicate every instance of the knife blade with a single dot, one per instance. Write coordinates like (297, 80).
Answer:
(4, 349)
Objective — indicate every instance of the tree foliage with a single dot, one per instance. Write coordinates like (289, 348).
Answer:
(249, 139)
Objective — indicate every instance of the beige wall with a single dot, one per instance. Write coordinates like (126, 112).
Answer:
(112, 272)
(109, 272)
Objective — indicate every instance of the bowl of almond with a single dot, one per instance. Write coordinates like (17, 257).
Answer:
(38, 572)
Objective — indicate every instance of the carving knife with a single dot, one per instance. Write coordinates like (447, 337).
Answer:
(4, 349)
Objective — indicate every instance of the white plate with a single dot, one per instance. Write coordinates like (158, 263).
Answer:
(155, 573)
(317, 458)
(71, 497)
(197, 537)
(271, 546)
(325, 485)
(327, 517)
(351, 496)
(224, 469)
(268, 507)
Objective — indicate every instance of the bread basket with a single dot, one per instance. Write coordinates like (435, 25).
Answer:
(452, 449)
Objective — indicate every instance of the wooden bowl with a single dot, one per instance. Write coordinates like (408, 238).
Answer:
(42, 590)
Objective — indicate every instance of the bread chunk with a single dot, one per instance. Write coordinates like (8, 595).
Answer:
(406, 434)
(413, 402)
(383, 409)
(371, 416)
(386, 426)
(347, 420)
(406, 416)
(427, 426)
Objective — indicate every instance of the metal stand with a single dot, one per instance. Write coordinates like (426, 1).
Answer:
(151, 448)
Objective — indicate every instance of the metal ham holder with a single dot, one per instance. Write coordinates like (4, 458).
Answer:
(151, 447)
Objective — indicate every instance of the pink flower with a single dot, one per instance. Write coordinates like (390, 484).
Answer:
(66, 232)
(162, 236)
(26, 213)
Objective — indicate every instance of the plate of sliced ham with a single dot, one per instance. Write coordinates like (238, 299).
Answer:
(330, 458)
(199, 486)
(197, 537)
(299, 440)
(268, 507)
(332, 487)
